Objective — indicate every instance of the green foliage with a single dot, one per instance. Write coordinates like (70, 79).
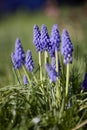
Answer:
(32, 107)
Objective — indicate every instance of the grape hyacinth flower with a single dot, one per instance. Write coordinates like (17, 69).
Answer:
(45, 40)
(25, 80)
(51, 72)
(54, 40)
(29, 61)
(18, 57)
(84, 83)
(67, 47)
(36, 38)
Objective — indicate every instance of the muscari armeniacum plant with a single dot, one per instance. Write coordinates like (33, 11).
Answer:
(49, 94)
(66, 50)
(49, 46)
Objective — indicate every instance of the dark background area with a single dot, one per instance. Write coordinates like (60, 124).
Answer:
(33, 5)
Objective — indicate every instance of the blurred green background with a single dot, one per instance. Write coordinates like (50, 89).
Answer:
(20, 24)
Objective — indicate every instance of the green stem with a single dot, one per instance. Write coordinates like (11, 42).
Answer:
(45, 61)
(46, 57)
(67, 79)
(26, 74)
(58, 92)
(40, 65)
(56, 55)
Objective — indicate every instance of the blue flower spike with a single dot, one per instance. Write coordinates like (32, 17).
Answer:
(36, 38)
(67, 47)
(29, 61)
(18, 57)
(45, 40)
(54, 40)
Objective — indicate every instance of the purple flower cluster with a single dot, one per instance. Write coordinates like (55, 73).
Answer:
(29, 61)
(45, 40)
(84, 84)
(18, 57)
(25, 80)
(54, 40)
(51, 72)
(36, 38)
(67, 47)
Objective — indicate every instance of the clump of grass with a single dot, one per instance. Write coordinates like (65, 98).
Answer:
(48, 98)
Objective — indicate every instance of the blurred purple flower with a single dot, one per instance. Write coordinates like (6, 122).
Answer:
(36, 38)
(25, 80)
(55, 40)
(16, 64)
(29, 61)
(51, 72)
(67, 47)
(84, 83)
(53, 63)
(45, 40)
(18, 57)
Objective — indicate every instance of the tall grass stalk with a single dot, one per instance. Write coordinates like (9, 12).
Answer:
(35, 79)
(16, 75)
(80, 125)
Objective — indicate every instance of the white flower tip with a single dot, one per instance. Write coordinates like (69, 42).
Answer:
(36, 120)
